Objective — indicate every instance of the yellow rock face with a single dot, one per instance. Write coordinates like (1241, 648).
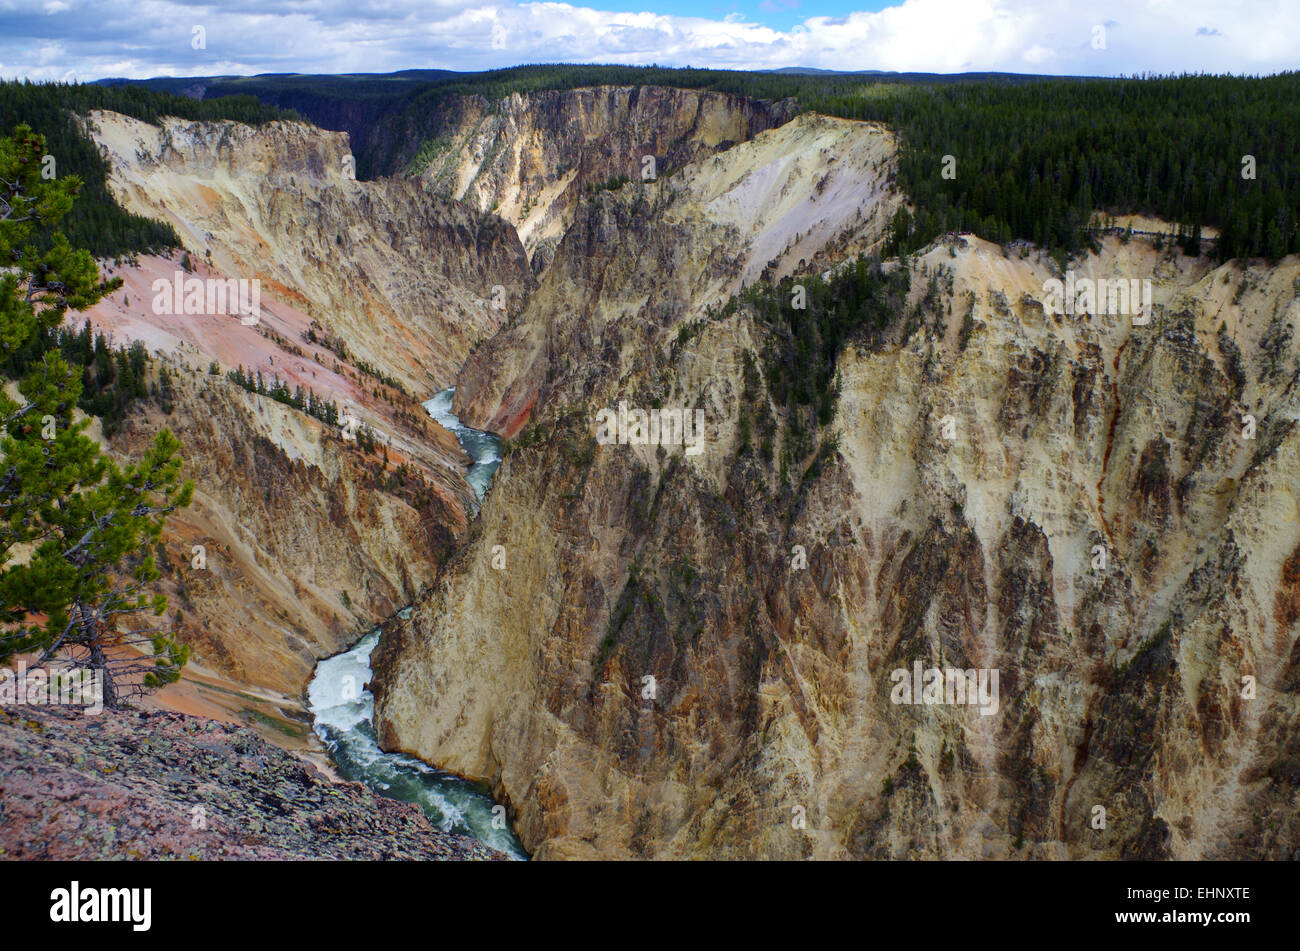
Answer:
(1074, 501)
(302, 546)
(531, 158)
(654, 653)
(406, 279)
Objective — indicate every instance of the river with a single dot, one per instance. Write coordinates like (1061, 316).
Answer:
(343, 709)
(483, 448)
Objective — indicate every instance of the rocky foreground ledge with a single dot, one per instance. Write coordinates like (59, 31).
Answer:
(158, 785)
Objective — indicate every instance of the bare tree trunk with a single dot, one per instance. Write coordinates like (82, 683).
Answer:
(100, 663)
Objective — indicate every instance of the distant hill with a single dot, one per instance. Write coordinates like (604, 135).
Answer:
(893, 76)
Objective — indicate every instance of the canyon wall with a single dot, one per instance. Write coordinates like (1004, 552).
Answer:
(372, 295)
(532, 157)
(645, 258)
(676, 655)
(305, 541)
(405, 280)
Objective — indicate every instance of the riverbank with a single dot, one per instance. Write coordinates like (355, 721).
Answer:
(344, 720)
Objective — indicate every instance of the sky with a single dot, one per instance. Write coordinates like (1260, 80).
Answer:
(82, 40)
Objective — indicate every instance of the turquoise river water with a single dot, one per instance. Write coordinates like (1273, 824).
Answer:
(343, 709)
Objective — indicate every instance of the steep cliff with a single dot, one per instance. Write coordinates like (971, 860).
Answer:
(307, 537)
(306, 540)
(531, 157)
(1106, 513)
(372, 295)
(405, 280)
(646, 257)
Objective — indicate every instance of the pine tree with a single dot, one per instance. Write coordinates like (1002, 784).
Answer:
(76, 530)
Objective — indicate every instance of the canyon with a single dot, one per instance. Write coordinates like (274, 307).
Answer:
(650, 676)
(298, 541)
(650, 653)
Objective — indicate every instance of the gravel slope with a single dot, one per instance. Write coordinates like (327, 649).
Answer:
(154, 785)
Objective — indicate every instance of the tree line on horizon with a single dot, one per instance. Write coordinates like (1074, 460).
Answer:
(1034, 157)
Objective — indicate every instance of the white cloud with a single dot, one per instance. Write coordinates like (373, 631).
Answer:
(140, 38)
(1037, 55)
